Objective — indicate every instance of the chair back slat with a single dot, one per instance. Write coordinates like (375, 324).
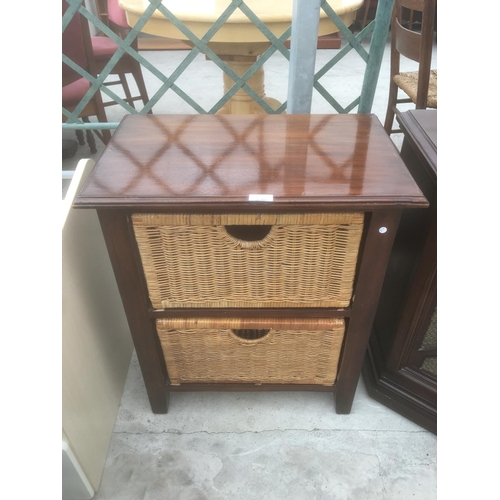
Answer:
(407, 42)
(417, 5)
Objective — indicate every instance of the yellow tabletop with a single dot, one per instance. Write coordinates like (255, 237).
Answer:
(199, 15)
(238, 41)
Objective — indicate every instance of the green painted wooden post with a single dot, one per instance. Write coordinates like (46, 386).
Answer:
(373, 59)
(379, 38)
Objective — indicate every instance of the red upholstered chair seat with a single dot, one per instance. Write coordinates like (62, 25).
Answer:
(103, 47)
(73, 93)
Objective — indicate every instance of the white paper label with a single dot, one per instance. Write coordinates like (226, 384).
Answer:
(260, 197)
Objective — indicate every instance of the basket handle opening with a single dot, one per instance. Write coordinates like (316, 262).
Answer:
(248, 232)
(250, 334)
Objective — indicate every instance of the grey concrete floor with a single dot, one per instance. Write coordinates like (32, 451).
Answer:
(273, 445)
(276, 445)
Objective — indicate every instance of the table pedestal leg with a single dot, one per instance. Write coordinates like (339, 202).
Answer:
(241, 103)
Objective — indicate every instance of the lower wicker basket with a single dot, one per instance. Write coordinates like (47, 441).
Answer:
(254, 351)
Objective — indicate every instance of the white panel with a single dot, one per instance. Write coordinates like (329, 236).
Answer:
(75, 485)
(96, 342)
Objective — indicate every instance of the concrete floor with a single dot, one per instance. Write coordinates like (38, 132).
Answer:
(273, 445)
(262, 445)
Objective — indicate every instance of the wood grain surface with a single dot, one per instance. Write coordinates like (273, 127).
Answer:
(303, 161)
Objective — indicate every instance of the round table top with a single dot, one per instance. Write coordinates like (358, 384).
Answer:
(199, 15)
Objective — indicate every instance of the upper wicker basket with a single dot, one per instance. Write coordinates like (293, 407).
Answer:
(298, 260)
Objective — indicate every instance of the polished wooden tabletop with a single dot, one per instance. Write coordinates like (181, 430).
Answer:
(420, 129)
(303, 161)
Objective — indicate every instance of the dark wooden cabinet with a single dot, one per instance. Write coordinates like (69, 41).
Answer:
(168, 173)
(400, 369)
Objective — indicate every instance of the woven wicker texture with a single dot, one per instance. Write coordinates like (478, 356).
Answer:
(408, 82)
(306, 260)
(290, 352)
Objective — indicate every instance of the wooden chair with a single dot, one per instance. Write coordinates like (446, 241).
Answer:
(372, 5)
(111, 14)
(76, 45)
(369, 4)
(419, 86)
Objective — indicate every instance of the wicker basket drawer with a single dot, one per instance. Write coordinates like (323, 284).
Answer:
(257, 351)
(249, 260)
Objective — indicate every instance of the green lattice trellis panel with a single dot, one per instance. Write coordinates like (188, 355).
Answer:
(200, 45)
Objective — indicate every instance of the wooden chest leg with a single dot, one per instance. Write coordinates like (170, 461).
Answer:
(120, 242)
(374, 259)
